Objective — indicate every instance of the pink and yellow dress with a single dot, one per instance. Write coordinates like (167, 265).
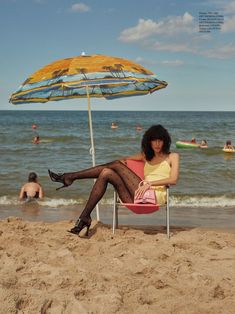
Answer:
(158, 172)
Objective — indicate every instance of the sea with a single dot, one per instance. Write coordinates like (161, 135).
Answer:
(206, 179)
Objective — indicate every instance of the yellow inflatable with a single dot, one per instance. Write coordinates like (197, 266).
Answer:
(228, 150)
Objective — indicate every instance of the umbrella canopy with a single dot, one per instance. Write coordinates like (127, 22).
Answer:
(108, 77)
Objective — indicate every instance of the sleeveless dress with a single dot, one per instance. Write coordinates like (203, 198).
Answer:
(158, 172)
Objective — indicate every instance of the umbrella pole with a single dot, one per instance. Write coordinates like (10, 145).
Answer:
(92, 150)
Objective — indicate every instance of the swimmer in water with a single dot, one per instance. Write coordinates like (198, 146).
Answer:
(32, 189)
(138, 127)
(228, 145)
(36, 140)
(114, 125)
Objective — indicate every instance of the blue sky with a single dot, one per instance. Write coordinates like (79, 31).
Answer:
(163, 36)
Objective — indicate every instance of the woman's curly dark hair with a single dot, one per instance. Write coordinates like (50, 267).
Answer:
(155, 132)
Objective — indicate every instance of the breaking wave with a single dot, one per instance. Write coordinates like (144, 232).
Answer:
(193, 201)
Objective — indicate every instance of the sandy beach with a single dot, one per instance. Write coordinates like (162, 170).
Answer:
(45, 269)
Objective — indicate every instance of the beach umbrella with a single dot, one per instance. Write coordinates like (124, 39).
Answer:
(87, 76)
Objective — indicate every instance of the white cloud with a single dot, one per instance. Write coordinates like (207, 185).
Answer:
(172, 47)
(173, 62)
(144, 29)
(169, 26)
(230, 8)
(179, 34)
(140, 60)
(225, 52)
(229, 25)
(202, 37)
(145, 62)
(79, 7)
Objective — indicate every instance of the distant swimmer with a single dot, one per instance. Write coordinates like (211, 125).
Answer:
(36, 140)
(229, 145)
(138, 127)
(114, 125)
(203, 143)
(32, 189)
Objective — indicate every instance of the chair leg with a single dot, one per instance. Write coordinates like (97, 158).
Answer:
(168, 221)
(115, 212)
(167, 214)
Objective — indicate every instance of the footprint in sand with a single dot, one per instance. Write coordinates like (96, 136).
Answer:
(218, 293)
(215, 245)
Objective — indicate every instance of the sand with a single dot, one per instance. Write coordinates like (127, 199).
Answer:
(44, 269)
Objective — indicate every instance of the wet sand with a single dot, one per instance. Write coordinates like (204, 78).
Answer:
(179, 216)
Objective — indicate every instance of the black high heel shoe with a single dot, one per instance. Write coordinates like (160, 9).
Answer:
(60, 177)
(81, 224)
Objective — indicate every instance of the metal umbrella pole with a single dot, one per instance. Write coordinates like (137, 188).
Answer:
(92, 149)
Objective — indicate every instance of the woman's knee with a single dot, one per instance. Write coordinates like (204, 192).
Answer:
(106, 172)
(117, 163)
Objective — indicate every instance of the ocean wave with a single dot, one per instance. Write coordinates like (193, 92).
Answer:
(202, 201)
(47, 202)
(7, 200)
(193, 201)
(60, 202)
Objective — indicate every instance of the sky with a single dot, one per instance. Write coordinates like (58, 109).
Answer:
(163, 36)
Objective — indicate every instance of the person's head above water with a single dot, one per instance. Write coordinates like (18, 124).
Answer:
(32, 177)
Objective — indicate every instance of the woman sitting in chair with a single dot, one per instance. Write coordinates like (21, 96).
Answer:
(161, 169)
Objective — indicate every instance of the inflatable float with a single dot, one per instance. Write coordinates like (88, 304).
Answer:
(188, 144)
(228, 150)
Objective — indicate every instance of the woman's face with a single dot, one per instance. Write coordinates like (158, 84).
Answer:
(157, 145)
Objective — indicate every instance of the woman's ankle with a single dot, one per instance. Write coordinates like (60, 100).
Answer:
(85, 218)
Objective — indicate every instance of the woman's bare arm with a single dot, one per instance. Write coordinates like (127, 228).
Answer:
(41, 192)
(21, 195)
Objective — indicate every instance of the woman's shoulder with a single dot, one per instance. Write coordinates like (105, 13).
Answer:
(36, 184)
(173, 156)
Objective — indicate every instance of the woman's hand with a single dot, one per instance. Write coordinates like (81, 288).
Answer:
(143, 187)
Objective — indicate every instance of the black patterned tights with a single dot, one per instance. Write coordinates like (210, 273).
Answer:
(118, 174)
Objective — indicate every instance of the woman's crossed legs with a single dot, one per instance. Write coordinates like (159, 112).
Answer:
(124, 180)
